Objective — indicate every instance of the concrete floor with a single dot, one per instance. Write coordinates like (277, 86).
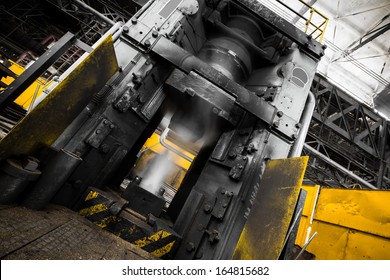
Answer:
(58, 233)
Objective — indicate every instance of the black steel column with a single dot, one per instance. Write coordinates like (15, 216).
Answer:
(382, 168)
(32, 73)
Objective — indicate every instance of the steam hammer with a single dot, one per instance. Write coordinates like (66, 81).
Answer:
(231, 64)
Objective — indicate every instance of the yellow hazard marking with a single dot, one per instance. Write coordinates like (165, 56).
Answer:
(132, 229)
(91, 195)
(153, 238)
(164, 250)
(106, 221)
(93, 209)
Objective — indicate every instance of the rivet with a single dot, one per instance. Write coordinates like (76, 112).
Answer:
(207, 208)
(232, 155)
(190, 247)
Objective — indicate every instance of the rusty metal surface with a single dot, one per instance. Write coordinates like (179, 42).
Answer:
(272, 210)
(49, 119)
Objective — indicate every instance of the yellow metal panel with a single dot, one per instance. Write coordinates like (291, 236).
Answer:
(330, 242)
(49, 119)
(305, 227)
(311, 199)
(351, 224)
(16, 68)
(266, 228)
(363, 246)
(304, 230)
(364, 210)
(338, 243)
(25, 98)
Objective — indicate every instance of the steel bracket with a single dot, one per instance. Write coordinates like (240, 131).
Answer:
(126, 100)
(238, 169)
(101, 131)
(223, 200)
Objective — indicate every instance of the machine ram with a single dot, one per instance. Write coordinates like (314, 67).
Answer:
(221, 85)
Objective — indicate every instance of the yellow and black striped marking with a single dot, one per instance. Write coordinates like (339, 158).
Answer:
(96, 207)
(159, 243)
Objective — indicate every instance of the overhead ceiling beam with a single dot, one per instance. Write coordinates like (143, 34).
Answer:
(374, 34)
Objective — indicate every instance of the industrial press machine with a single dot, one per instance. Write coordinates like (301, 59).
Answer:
(223, 85)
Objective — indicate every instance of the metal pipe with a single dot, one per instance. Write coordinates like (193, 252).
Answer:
(383, 163)
(96, 13)
(165, 145)
(143, 9)
(54, 176)
(15, 178)
(305, 246)
(296, 149)
(338, 166)
(33, 98)
(117, 34)
(303, 10)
